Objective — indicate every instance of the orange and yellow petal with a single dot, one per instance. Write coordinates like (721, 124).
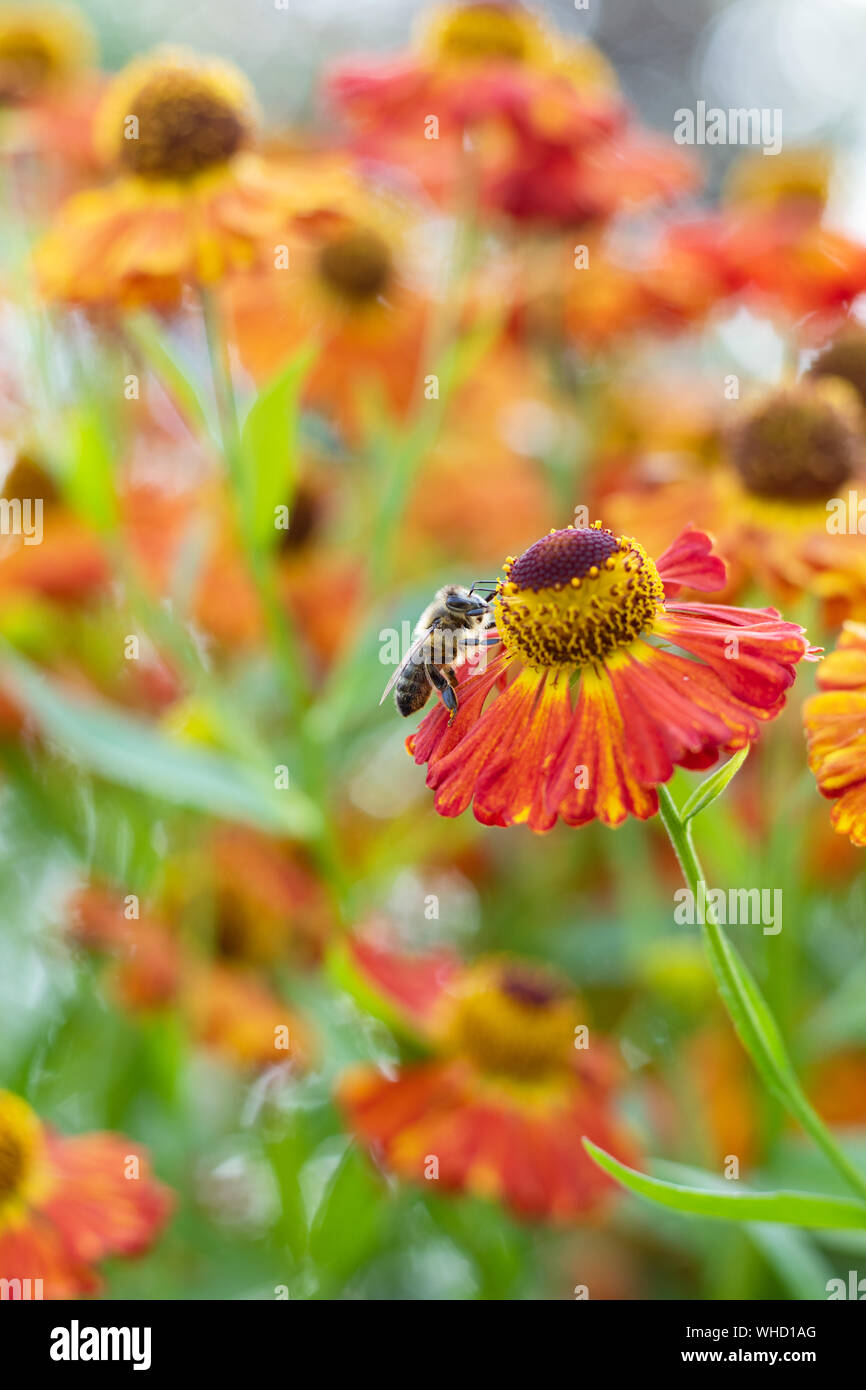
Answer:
(150, 965)
(36, 1250)
(435, 1122)
(240, 1018)
(105, 1200)
(503, 761)
(593, 776)
(137, 241)
(835, 722)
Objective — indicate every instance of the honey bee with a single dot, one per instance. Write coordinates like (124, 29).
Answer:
(453, 624)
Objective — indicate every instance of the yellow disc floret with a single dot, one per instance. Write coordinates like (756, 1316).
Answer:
(800, 176)
(20, 1146)
(491, 31)
(174, 116)
(41, 46)
(576, 596)
(512, 1021)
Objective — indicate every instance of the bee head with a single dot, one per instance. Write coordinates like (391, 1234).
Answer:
(463, 603)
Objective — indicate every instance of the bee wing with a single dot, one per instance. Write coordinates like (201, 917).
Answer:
(410, 656)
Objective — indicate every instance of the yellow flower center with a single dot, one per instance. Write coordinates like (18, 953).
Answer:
(20, 1137)
(795, 448)
(512, 1021)
(575, 596)
(356, 265)
(499, 31)
(800, 176)
(185, 126)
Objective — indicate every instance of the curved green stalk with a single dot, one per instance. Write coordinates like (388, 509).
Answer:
(750, 1015)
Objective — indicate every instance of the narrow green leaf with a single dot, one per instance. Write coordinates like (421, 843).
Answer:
(169, 368)
(88, 470)
(269, 448)
(347, 1225)
(712, 787)
(797, 1262)
(133, 753)
(807, 1209)
(749, 1012)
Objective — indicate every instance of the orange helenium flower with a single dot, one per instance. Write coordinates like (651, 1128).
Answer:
(230, 1010)
(552, 139)
(661, 683)
(776, 261)
(189, 204)
(777, 497)
(835, 721)
(348, 291)
(67, 1203)
(43, 48)
(506, 1101)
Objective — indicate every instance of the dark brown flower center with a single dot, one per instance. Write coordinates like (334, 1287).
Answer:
(13, 1160)
(11, 1164)
(846, 358)
(356, 265)
(184, 127)
(532, 992)
(562, 556)
(796, 448)
(26, 64)
(575, 596)
(28, 480)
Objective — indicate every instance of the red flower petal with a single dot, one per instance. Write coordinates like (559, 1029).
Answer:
(413, 984)
(495, 1143)
(36, 1250)
(690, 563)
(755, 662)
(435, 735)
(592, 775)
(497, 738)
(97, 1208)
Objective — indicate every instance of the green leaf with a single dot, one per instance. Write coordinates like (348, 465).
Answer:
(789, 1208)
(797, 1264)
(712, 787)
(269, 448)
(792, 1253)
(133, 753)
(348, 1223)
(169, 368)
(88, 469)
(749, 1012)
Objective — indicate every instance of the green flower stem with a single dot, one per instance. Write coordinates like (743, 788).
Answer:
(755, 1025)
(326, 846)
(284, 646)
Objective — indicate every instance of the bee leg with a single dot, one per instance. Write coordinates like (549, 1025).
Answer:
(445, 681)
